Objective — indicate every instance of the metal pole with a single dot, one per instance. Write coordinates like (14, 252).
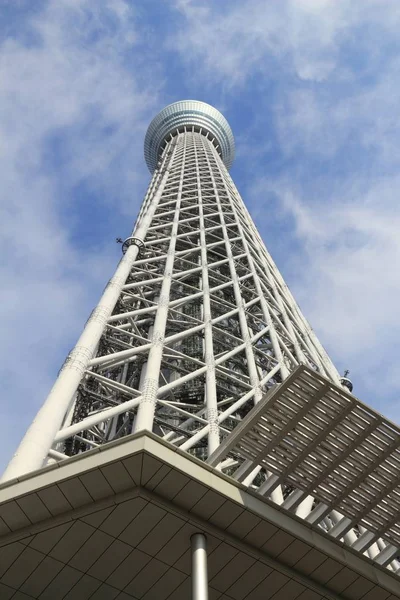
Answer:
(211, 383)
(145, 415)
(199, 567)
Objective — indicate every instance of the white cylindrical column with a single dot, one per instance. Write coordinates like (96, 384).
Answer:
(145, 414)
(199, 567)
(33, 450)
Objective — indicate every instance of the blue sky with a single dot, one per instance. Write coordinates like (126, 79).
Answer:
(311, 90)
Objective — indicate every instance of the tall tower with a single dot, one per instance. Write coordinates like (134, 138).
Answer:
(198, 424)
(195, 325)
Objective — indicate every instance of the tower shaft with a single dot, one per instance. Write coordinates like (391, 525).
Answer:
(195, 325)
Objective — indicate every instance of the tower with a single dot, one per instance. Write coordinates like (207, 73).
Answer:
(196, 323)
(195, 329)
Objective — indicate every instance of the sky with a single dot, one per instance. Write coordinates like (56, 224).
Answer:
(311, 91)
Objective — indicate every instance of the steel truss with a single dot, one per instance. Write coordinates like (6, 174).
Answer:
(336, 460)
(195, 326)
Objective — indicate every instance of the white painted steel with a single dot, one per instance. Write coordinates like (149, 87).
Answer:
(39, 438)
(196, 325)
(337, 460)
(199, 317)
(199, 567)
(189, 113)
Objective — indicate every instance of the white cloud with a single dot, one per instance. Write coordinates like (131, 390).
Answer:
(324, 75)
(233, 43)
(345, 277)
(65, 82)
(230, 42)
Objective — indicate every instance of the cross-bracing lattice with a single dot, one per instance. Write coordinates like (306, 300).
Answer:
(204, 323)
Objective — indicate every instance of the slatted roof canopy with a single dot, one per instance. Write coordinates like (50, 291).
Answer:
(312, 435)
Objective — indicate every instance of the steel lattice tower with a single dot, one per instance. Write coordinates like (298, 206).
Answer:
(198, 402)
(196, 323)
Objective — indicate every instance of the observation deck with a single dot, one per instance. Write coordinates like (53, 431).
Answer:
(183, 114)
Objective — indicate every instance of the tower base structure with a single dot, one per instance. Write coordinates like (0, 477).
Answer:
(197, 338)
(125, 521)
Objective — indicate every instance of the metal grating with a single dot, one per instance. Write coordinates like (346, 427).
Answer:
(315, 437)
